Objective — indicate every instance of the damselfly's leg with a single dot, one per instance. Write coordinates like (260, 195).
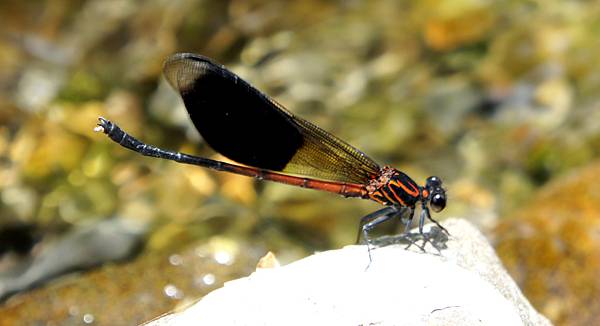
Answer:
(375, 220)
(367, 218)
(411, 212)
(425, 214)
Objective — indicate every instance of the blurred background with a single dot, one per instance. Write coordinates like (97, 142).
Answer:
(499, 99)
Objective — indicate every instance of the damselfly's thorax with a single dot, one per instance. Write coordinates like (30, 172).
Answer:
(393, 187)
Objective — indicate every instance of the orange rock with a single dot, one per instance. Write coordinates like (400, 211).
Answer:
(552, 248)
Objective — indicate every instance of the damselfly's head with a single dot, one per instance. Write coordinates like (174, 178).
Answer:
(435, 193)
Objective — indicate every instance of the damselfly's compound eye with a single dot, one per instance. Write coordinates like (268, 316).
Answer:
(438, 202)
(433, 182)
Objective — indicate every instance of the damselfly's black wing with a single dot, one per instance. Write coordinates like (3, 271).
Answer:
(247, 126)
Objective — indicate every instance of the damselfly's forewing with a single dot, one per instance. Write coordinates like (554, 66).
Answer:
(247, 126)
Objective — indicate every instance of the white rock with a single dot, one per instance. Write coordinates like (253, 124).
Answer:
(462, 283)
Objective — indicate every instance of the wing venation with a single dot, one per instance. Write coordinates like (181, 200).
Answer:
(247, 126)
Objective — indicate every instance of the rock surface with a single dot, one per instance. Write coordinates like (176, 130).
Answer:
(456, 280)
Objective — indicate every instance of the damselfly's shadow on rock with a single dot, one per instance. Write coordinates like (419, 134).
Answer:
(434, 236)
